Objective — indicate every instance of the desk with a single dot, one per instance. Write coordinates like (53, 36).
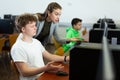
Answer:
(52, 76)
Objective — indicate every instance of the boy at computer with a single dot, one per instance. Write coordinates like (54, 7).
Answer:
(73, 36)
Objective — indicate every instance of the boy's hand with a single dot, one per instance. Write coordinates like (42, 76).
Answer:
(74, 39)
(51, 67)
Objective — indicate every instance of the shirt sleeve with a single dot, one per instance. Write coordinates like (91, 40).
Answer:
(21, 56)
(41, 47)
(69, 34)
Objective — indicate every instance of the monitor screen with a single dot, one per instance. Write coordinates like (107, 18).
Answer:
(6, 26)
(84, 61)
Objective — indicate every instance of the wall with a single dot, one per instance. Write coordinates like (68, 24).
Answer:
(89, 10)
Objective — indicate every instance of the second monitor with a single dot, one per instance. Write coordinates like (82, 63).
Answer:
(96, 35)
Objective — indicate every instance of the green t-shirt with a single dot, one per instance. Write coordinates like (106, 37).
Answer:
(71, 33)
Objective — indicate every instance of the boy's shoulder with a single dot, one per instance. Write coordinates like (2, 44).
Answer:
(68, 29)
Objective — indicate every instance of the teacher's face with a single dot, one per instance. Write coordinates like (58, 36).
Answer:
(55, 15)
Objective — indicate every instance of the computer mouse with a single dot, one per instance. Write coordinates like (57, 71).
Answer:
(62, 73)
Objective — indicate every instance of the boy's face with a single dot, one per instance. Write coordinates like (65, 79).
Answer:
(78, 26)
(30, 29)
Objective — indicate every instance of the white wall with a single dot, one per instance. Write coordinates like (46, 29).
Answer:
(88, 10)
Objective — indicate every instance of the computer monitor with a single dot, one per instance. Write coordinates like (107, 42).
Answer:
(84, 61)
(112, 25)
(96, 25)
(99, 25)
(93, 61)
(6, 26)
(95, 35)
(114, 34)
(7, 16)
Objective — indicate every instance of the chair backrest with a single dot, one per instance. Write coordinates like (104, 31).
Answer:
(2, 41)
(12, 38)
(14, 67)
(56, 43)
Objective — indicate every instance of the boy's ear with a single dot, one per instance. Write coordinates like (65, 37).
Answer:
(73, 25)
(23, 29)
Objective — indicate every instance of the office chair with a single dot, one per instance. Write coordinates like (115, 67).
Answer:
(56, 43)
(2, 42)
(12, 38)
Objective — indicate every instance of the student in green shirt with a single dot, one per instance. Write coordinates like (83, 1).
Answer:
(73, 35)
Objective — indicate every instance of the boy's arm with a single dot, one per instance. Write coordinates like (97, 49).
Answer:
(70, 38)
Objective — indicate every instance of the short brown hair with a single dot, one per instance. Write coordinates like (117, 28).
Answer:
(24, 19)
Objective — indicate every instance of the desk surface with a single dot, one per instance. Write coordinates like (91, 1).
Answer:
(97, 46)
(52, 76)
